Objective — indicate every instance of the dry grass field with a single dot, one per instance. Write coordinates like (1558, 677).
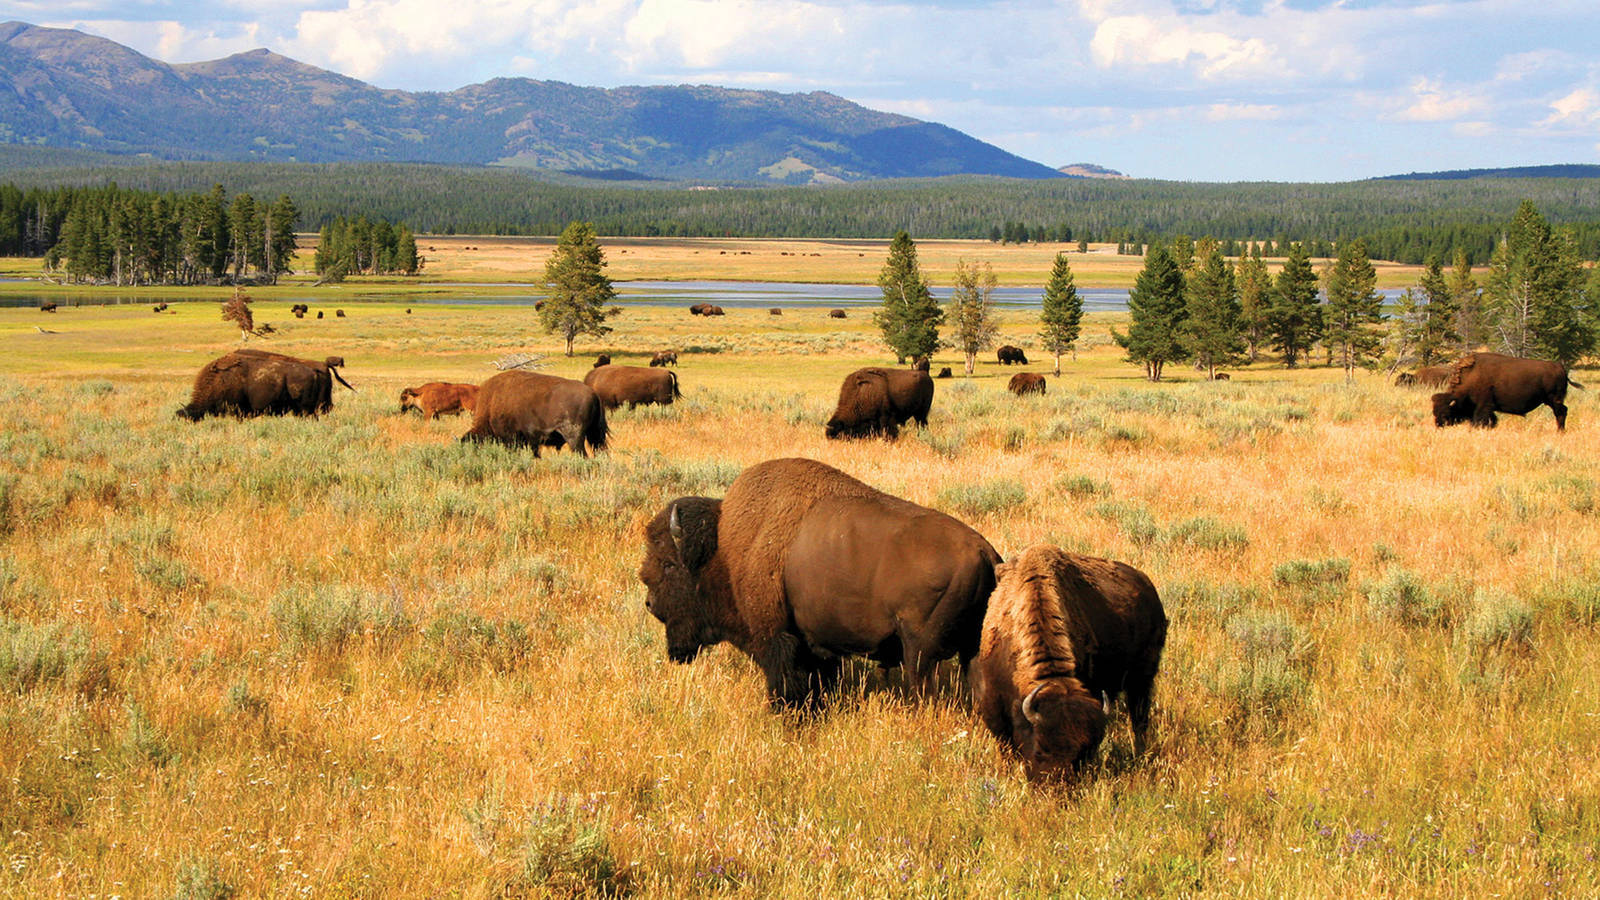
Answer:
(350, 657)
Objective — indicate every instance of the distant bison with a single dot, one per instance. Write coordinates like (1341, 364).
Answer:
(1061, 631)
(159, 307)
(319, 313)
(1008, 354)
(633, 385)
(1428, 376)
(338, 313)
(1482, 384)
(945, 373)
(1222, 376)
(836, 314)
(1026, 383)
(256, 382)
(299, 310)
(438, 398)
(706, 309)
(529, 409)
(603, 359)
(664, 358)
(876, 400)
(801, 565)
(47, 306)
(775, 311)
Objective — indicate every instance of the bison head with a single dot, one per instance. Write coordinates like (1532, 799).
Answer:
(679, 543)
(1448, 409)
(1056, 728)
(408, 400)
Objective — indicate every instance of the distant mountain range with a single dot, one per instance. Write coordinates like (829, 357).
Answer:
(1558, 171)
(72, 90)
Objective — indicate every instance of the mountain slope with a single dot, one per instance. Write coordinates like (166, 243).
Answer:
(69, 89)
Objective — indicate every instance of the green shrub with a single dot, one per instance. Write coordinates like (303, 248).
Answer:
(565, 851)
(325, 619)
(1401, 596)
(142, 742)
(1267, 677)
(201, 879)
(1207, 533)
(1499, 621)
(984, 497)
(33, 655)
(1083, 486)
(1132, 519)
(1317, 580)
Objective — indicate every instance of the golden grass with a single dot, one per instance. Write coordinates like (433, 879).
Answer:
(350, 657)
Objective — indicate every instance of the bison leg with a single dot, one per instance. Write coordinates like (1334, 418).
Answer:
(1560, 409)
(1484, 417)
(789, 685)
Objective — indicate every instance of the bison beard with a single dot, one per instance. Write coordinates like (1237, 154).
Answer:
(801, 565)
(1062, 631)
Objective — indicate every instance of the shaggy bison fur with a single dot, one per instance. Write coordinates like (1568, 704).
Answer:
(438, 398)
(1482, 384)
(529, 409)
(876, 400)
(801, 565)
(257, 382)
(633, 385)
(1008, 354)
(1061, 631)
(1026, 383)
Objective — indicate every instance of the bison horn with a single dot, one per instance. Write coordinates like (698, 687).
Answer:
(1028, 711)
(676, 528)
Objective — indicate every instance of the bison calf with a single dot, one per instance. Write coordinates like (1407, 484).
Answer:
(437, 398)
(1026, 383)
(1061, 631)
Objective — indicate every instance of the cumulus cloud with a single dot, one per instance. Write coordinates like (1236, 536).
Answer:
(1580, 108)
(1430, 102)
(1141, 40)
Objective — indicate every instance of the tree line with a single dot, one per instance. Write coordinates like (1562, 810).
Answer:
(1401, 220)
(361, 247)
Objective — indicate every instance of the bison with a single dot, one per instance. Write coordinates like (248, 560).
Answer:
(921, 363)
(664, 358)
(437, 398)
(801, 565)
(945, 373)
(1427, 376)
(775, 311)
(836, 314)
(47, 306)
(603, 359)
(1482, 384)
(876, 400)
(1026, 383)
(338, 313)
(257, 382)
(633, 385)
(705, 309)
(528, 409)
(1009, 354)
(1062, 630)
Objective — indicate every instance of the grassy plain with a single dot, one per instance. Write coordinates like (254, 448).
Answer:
(351, 657)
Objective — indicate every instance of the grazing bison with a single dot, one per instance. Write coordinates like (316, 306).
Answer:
(945, 373)
(635, 386)
(438, 398)
(664, 358)
(319, 313)
(1482, 384)
(876, 400)
(1026, 383)
(1009, 354)
(705, 309)
(836, 314)
(801, 565)
(159, 307)
(775, 311)
(1061, 631)
(256, 382)
(338, 313)
(1222, 376)
(527, 409)
(299, 310)
(603, 359)
(47, 306)
(1427, 376)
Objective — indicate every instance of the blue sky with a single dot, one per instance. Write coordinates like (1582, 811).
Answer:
(1198, 90)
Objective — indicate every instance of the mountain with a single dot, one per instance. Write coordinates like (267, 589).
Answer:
(1574, 170)
(1090, 170)
(72, 90)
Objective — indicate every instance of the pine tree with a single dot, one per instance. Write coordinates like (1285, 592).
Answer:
(1296, 318)
(279, 236)
(1436, 334)
(1354, 308)
(1062, 318)
(1467, 298)
(1155, 313)
(1211, 332)
(970, 315)
(910, 317)
(578, 287)
(1255, 302)
(1534, 291)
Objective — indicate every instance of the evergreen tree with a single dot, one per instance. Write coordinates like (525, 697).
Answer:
(1211, 332)
(278, 236)
(1062, 319)
(910, 317)
(1296, 318)
(1155, 314)
(1471, 318)
(1255, 302)
(1354, 308)
(578, 287)
(406, 260)
(1534, 291)
(970, 315)
(244, 227)
(1410, 319)
(1436, 334)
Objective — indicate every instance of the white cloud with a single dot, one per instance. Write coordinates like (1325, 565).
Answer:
(1144, 41)
(1580, 108)
(1236, 112)
(1432, 103)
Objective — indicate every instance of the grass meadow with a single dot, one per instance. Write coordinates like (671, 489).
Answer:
(349, 657)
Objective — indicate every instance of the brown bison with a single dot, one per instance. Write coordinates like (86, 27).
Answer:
(945, 373)
(1008, 354)
(438, 398)
(1222, 376)
(836, 314)
(876, 400)
(603, 359)
(706, 309)
(801, 565)
(338, 313)
(528, 409)
(664, 358)
(319, 313)
(1061, 631)
(775, 311)
(1026, 383)
(256, 382)
(159, 307)
(633, 385)
(921, 363)
(1482, 384)
(1427, 376)
(47, 306)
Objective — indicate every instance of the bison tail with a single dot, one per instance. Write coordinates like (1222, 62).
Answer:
(597, 431)
(677, 394)
(336, 374)
(1575, 384)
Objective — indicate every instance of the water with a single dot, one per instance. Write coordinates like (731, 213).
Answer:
(730, 294)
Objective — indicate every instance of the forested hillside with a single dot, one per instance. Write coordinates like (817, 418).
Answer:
(1400, 220)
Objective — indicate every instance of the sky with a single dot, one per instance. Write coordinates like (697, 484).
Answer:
(1190, 90)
